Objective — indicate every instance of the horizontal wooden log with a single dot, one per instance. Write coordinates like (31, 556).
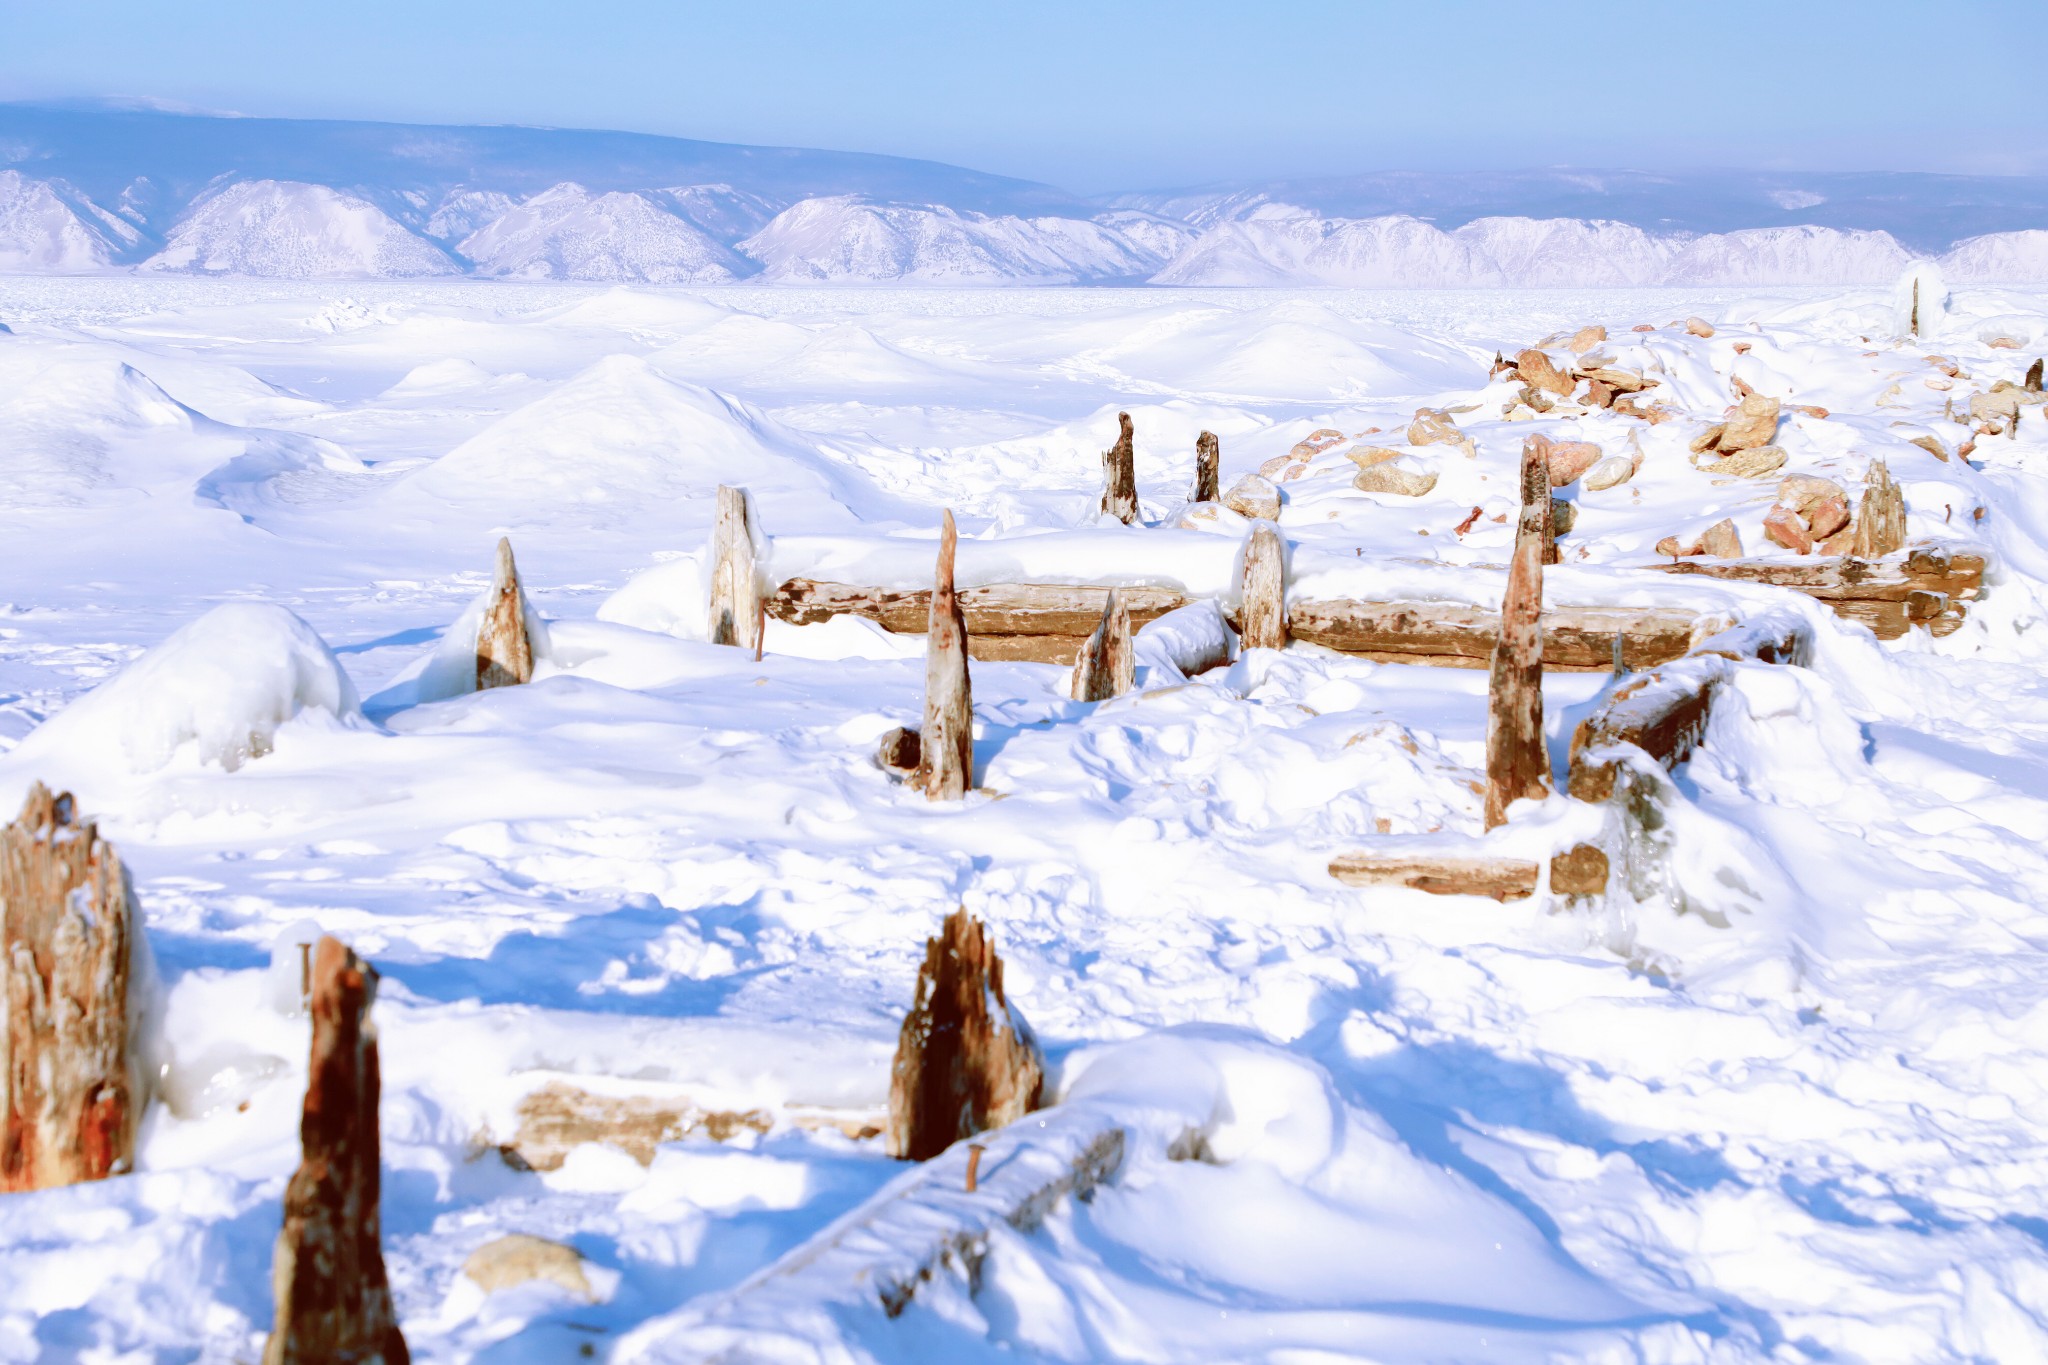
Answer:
(1579, 871)
(1891, 579)
(1575, 639)
(1662, 713)
(1062, 609)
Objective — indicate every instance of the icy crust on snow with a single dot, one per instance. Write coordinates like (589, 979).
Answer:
(1778, 1100)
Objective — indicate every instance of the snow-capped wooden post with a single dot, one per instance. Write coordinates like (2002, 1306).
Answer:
(1262, 590)
(68, 1093)
(504, 654)
(1517, 761)
(966, 1061)
(1107, 664)
(1880, 516)
(946, 742)
(1208, 469)
(333, 1301)
(736, 616)
(1120, 474)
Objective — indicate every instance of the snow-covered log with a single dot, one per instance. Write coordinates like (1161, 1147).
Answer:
(1208, 469)
(1262, 590)
(1120, 475)
(1185, 642)
(504, 653)
(1106, 665)
(1579, 871)
(1064, 611)
(333, 1301)
(946, 740)
(1879, 593)
(1517, 761)
(735, 589)
(1662, 713)
(1453, 634)
(966, 1061)
(70, 1095)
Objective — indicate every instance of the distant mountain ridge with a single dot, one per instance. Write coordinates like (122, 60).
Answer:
(95, 187)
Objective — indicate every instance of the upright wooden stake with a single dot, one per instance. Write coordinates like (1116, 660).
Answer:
(1208, 469)
(1880, 516)
(966, 1061)
(1107, 664)
(68, 1094)
(736, 616)
(1536, 491)
(1517, 761)
(504, 654)
(1120, 475)
(1262, 611)
(333, 1302)
(946, 743)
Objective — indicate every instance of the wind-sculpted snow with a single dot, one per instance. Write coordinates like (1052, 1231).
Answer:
(295, 231)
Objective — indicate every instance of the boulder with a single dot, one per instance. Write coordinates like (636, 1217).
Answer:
(1707, 440)
(1697, 327)
(1315, 443)
(1393, 478)
(1254, 497)
(518, 1259)
(1563, 516)
(1783, 526)
(1803, 492)
(1367, 456)
(1608, 473)
(1721, 540)
(1571, 459)
(1757, 463)
(1828, 517)
(1753, 423)
(1539, 373)
(1432, 427)
(1585, 339)
(1932, 445)
(1621, 381)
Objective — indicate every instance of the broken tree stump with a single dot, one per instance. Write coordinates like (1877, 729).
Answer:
(504, 653)
(1517, 761)
(1120, 475)
(1262, 590)
(965, 1061)
(1208, 469)
(1107, 664)
(736, 617)
(333, 1301)
(946, 741)
(69, 1093)
(1880, 516)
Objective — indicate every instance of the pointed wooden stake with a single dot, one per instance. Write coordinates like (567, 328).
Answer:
(1208, 467)
(736, 616)
(1107, 664)
(946, 741)
(69, 1097)
(1517, 761)
(966, 1061)
(504, 654)
(2033, 380)
(1536, 490)
(333, 1301)
(1262, 610)
(1120, 475)
(1880, 516)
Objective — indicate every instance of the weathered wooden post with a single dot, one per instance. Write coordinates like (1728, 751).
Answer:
(1517, 761)
(1536, 490)
(1107, 664)
(1880, 515)
(504, 653)
(966, 1061)
(1208, 469)
(333, 1301)
(1120, 474)
(946, 742)
(736, 614)
(69, 1094)
(2032, 383)
(1262, 590)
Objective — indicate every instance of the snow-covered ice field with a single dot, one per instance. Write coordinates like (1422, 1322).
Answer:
(1805, 1120)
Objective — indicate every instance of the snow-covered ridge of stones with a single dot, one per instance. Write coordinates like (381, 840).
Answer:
(711, 234)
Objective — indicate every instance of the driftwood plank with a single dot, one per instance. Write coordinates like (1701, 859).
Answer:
(1578, 871)
(1062, 609)
(1575, 639)
(1662, 713)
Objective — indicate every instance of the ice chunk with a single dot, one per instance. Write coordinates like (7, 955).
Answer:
(1919, 300)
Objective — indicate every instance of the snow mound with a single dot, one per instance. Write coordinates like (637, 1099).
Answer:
(216, 692)
(606, 444)
(440, 376)
(288, 230)
(42, 233)
(844, 239)
(567, 233)
(1297, 349)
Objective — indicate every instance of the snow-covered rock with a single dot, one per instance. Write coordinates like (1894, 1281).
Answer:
(568, 233)
(43, 231)
(844, 239)
(289, 230)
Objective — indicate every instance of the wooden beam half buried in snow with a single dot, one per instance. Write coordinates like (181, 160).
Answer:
(1575, 639)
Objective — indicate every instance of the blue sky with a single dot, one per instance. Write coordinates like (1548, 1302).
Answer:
(1116, 95)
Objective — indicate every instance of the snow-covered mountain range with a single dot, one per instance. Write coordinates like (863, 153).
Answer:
(98, 188)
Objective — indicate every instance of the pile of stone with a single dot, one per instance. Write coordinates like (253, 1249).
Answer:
(1742, 444)
(1589, 382)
